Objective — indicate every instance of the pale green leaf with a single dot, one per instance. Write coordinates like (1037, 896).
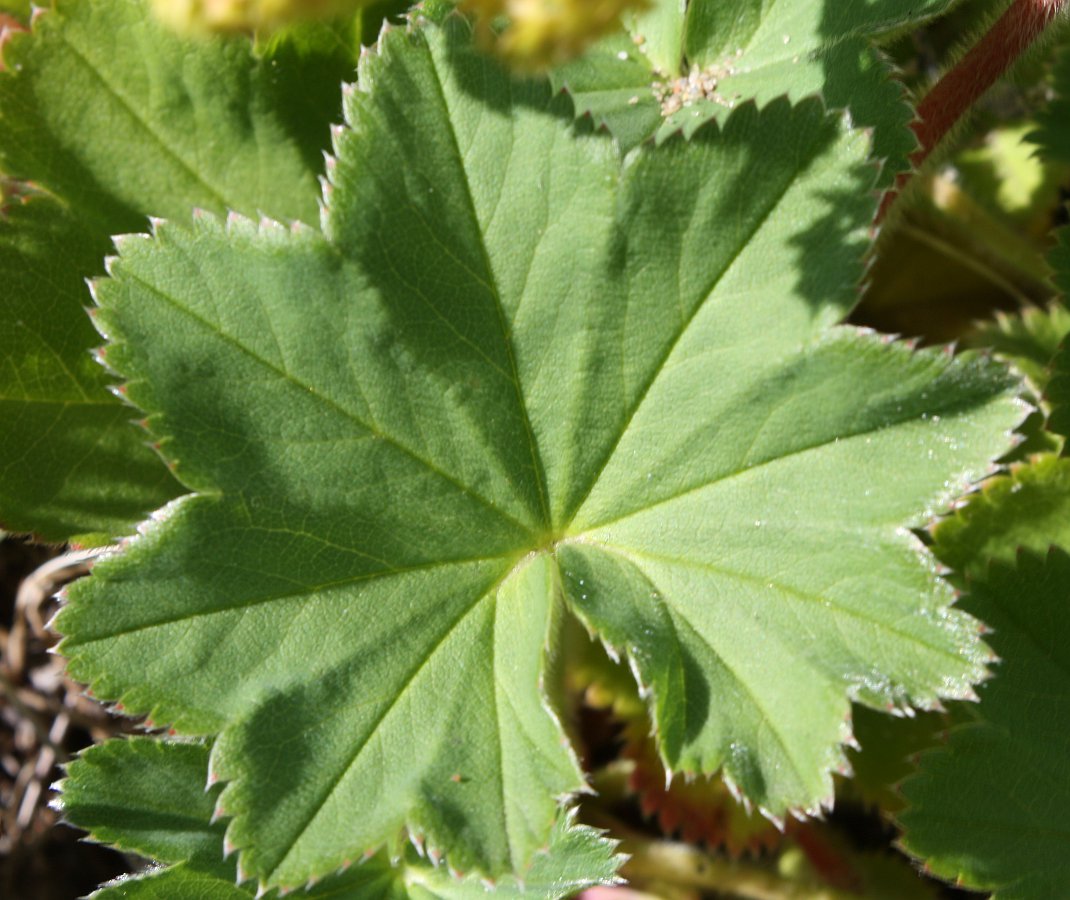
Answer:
(71, 463)
(515, 378)
(989, 810)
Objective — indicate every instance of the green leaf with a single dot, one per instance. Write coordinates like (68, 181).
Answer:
(989, 810)
(1029, 339)
(889, 747)
(71, 462)
(538, 382)
(1029, 508)
(1052, 134)
(178, 883)
(745, 51)
(118, 118)
(1058, 393)
(147, 796)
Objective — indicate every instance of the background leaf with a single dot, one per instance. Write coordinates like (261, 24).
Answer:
(71, 462)
(194, 123)
(1027, 508)
(748, 51)
(1058, 393)
(147, 795)
(987, 811)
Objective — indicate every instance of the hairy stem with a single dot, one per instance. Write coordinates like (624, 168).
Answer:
(954, 94)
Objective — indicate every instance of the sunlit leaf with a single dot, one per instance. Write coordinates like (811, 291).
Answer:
(542, 383)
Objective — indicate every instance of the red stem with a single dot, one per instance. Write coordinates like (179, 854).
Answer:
(954, 94)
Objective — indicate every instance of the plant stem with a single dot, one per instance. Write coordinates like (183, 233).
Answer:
(960, 88)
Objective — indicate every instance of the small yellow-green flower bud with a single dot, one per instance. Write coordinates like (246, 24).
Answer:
(263, 16)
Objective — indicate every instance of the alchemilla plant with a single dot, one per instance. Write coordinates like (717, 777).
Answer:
(544, 398)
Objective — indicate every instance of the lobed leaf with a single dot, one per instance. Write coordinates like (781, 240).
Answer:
(988, 810)
(549, 383)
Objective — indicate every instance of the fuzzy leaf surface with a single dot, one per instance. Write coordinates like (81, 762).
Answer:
(147, 796)
(989, 809)
(540, 382)
(754, 50)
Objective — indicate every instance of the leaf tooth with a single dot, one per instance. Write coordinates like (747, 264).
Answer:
(268, 225)
(100, 357)
(734, 790)
(156, 224)
(218, 813)
(777, 821)
(417, 841)
(119, 390)
(330, 163)
(228, 849)
(123, 243)
(611, 652)
(348, 87)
